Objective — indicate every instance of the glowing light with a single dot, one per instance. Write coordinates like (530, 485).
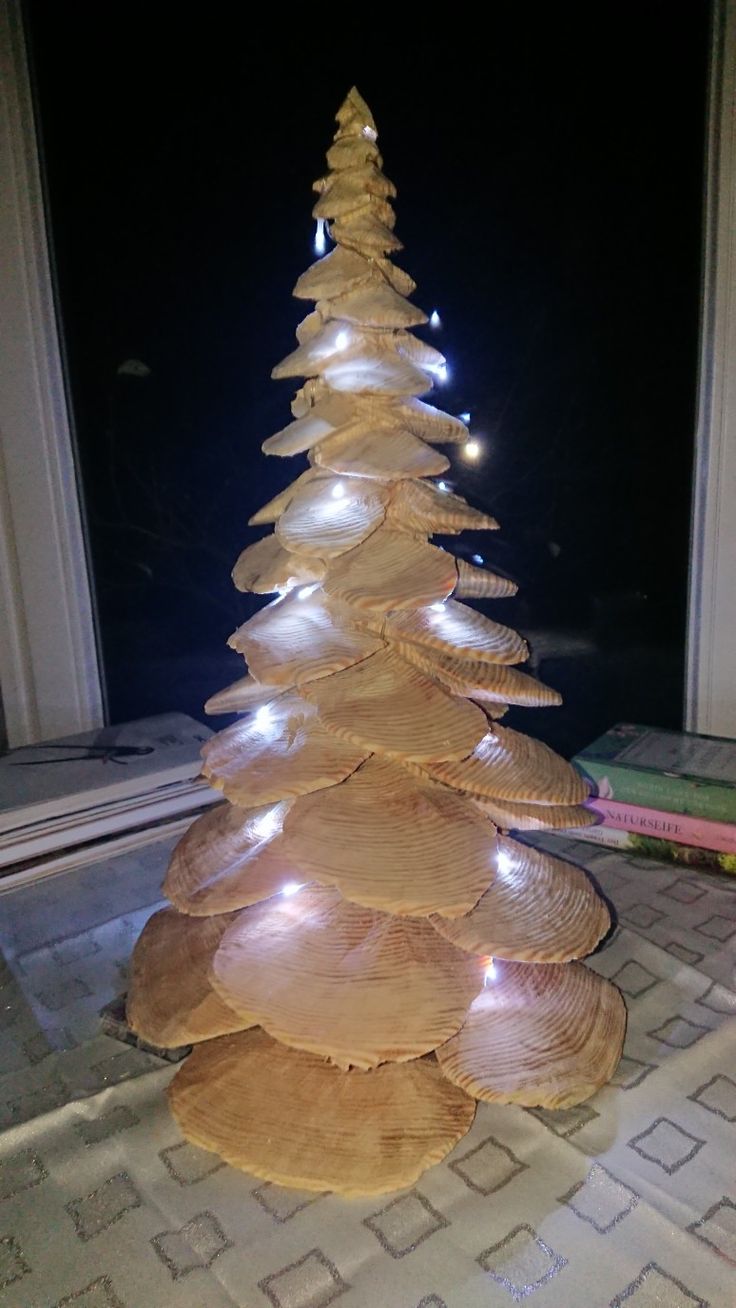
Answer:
(438, 607)
(338, 491)
(472, 450)
(443, 486)
(434, 319)
(464, 417)
(370, 133)
(291, 888)
(342, 340)
(263, 717)
(307, 591)
(478, 558)
(503, 862)
(440, 371)
(320, 237)
(267, 824)
(490, 972)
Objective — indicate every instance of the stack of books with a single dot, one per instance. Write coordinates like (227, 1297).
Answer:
(669, 795)
(82, 798)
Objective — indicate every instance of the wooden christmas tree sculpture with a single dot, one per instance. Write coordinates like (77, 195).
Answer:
(357, 947)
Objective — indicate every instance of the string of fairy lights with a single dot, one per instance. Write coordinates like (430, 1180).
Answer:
(472, 450)
(262, 721)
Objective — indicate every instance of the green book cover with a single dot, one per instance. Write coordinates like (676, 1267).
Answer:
(675, 771)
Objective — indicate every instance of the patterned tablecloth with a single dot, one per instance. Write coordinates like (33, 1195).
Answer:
(629, 1200)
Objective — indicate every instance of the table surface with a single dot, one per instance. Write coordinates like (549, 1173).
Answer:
(628, 1201)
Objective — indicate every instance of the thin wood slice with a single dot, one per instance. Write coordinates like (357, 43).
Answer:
(323, 418)
(354, 116)
(353, 152)
(360, 450)
(309, 326)
(301, 638)
(512, 766)
(369, 369)
(272, 511)
(308, 359)
(356, 986)
(431, 424)
(332, 515)
(240, 696)
(421, 506)
(171, 1001)
(294, 1119)
(376, 304)
(539, 1035)
(391, 708)
(278, 753)
(458, 631)
(479, 583)
(266, 566)
(363, 231)
(365, 179)
(391, 841)
(339, 271)
(391, 571)
(537, 909)
(396, 277)
(228, 859)
(535, 817)
(366, 210)
(492, 682)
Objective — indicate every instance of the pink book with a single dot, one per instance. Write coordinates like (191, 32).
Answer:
(680, 827)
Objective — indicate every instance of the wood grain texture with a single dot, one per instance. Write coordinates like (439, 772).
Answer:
(537, 909)
(332, 515)
(361, 450)
(481, 583)
(353, 985)
(393, 709)
(291, 1117)
(420, 506)
(539, 1035)
(266, 567)
(458, 631)
(228, 858)
(242, 695)
(376, 304)
(509, 816)
(392, 841)
(170, 999)
(284, 753)
(512, 766)
(482, 681)
(301, 638)
(390, 571)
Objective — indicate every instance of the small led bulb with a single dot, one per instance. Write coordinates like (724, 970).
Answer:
(338, 491)
(434, 320)
(490, 972)
(471, 450)
(291, 888)
(464, 417)
(320, 237)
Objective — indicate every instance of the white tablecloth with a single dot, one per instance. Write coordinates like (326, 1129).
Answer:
(628, 1200)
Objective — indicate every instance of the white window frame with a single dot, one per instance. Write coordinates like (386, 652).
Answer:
(711, 663)
(49, 670)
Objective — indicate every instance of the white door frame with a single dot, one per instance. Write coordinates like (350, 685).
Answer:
(711, 649)
(49, 671)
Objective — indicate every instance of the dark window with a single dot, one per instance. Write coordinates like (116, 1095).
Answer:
(549, 166)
